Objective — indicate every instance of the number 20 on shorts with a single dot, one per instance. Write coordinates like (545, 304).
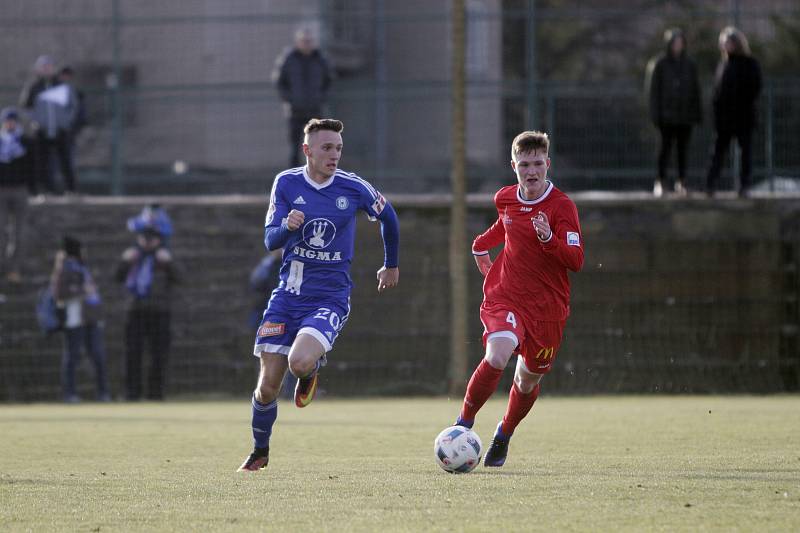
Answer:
(323, 313)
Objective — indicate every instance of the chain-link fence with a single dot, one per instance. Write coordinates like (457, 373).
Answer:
(189, 82)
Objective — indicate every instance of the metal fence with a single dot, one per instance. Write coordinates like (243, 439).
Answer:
(189, 82)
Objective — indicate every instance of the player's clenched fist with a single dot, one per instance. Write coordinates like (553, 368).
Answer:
(542, 226)
(295, 219)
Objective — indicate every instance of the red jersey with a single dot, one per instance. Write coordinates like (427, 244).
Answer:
(529, 275)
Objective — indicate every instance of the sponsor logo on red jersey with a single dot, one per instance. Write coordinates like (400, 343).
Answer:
(270, 329)
(573, 239)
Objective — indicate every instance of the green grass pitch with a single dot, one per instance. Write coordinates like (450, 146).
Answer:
(629, 463)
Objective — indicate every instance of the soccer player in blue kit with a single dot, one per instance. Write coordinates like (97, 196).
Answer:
(311, 215)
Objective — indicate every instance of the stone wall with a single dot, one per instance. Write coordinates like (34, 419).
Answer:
(675, 296)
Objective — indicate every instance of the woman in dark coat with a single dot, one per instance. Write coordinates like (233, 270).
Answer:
(737, 85)
(674, 93)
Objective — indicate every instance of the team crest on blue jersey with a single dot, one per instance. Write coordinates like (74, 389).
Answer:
(319, 233)
(342, 203)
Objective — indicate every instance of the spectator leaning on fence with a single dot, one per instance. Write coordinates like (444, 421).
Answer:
(303, 77)
(673, 91)
(76, 294)
(148, 272)
(737, 84)
(15, 180)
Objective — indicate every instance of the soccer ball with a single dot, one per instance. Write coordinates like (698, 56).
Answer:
(458, 450)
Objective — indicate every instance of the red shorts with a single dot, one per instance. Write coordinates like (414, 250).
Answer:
(537, 340)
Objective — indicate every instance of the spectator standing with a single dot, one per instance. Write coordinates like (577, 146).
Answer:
(44, 78)
(152, 216)
(263, 279)
(303, 78)
(148, 272)
(737, 84)
(673, 91)
(15, 180)
(76, 293)
(53, 108)
(66, 76)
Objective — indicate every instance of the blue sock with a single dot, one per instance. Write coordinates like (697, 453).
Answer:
(467, 424)
(499, 433)
(264, 415)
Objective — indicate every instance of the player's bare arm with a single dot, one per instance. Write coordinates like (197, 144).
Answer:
(295, 219)
(388, 278)
(484, 263)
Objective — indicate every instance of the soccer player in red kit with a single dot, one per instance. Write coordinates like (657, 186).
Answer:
(526, 288)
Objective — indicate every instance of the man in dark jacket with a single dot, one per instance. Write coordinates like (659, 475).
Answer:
(303, 77)
(53, 106)
(674, 93)
(148, 272)
(737, 84)
(15, 180)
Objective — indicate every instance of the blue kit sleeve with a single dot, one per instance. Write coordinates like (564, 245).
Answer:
(390, 231)
(276, 236)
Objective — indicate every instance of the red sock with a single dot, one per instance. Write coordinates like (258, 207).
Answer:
(481, 386)
(519, 405)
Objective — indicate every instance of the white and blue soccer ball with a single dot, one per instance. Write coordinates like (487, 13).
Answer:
(458, 450)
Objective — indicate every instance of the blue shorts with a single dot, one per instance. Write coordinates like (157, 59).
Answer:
(288, 315)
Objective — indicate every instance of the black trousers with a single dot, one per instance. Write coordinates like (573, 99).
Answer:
(151, 327)
(679, 135)
(721, 144)
(50, 157)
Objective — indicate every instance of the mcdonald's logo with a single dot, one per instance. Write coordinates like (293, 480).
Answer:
(545, 353)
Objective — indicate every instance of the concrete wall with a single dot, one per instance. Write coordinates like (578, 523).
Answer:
(675, 296)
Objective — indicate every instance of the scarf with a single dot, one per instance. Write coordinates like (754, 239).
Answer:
(10, 145)
(140, 276)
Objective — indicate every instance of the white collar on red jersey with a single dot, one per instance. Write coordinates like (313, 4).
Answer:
(540, 199)
(313, 183)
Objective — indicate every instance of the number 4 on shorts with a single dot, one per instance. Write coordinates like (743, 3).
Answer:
(511, 319)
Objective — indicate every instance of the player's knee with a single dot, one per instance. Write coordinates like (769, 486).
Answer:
(496, 360)
(499, 350)
(526, 382)
(266, 392)
(301, 366)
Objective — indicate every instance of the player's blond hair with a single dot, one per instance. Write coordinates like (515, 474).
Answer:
(529, 141)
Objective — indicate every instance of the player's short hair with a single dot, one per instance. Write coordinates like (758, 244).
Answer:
(317, 124)
(529, 141)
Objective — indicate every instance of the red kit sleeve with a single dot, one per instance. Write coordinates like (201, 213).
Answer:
(566, 242)
(492, 237)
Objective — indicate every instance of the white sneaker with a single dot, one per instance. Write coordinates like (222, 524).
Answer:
(658, 191)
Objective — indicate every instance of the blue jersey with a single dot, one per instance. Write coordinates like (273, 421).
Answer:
(317, 256)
